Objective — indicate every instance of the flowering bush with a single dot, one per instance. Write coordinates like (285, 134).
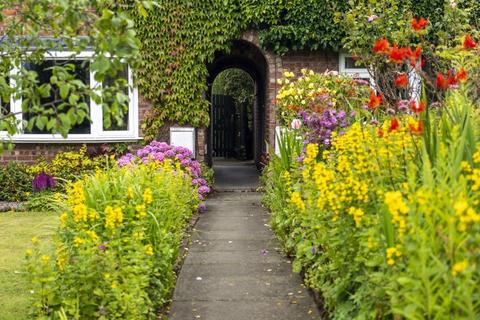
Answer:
(385, 222)
(179, 158)
(15, 181)
(116, 246)
(69, 166)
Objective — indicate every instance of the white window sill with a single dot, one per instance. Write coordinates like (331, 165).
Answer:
(70, 139)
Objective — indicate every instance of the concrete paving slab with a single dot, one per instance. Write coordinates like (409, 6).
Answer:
(234, 269)
(236, 176)
(272, 309)
(233, 245)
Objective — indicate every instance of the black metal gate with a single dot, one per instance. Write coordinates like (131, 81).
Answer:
(224, 126)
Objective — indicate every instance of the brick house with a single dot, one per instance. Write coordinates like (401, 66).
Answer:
(264, 67)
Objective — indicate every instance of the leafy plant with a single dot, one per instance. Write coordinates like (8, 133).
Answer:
(116, 246)
(16, 182)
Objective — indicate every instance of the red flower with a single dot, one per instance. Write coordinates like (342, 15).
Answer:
(418, 129)
(462, 75)
(394, 124)
(468, 42)
(423, 63)
(398, 54)
(451, 79)
(401, 81)
(381, 46)
(414, 55)
(375, 100)
(417, 108)
(441, 82)
(420, 24)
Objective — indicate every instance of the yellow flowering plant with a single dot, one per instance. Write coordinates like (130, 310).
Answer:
(117, 244)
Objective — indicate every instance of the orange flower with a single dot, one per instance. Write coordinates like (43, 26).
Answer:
(462, 75)
(397, 54)
(468, 42)
(417, 108)
(394, 124)
(401, 81)
(414, 55)
(416, 129)
(451, 79)
(441, 82)
(375, 100)
(420, 24)
(380, 132)
(381, 46)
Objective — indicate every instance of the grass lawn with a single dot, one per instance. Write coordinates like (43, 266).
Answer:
(16, 232)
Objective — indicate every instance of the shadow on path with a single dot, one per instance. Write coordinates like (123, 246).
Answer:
(235, 176)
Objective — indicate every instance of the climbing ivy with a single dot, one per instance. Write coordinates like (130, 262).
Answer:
(178, 38)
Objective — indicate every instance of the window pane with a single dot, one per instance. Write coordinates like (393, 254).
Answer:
(351, 63)
(82, 71)
(4, 104)
(109, 81)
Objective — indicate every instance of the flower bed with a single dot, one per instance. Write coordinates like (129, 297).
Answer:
(116, 246)
(383, 216)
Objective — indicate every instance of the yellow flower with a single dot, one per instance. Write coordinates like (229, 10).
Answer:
(45, 259)
(398, 208)
(114, 285)
(34, 240)
(113, 217)
(29, 252)
(148, 196)
(149, 249)
(392, 252)
(357, 214)
(63, 219)
(459, 267)
(78, 241)
(93, 235)
(296, 199)
(130, 193)
(141, 210)
(106, 276)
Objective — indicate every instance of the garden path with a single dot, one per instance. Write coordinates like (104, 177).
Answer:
(234, 271)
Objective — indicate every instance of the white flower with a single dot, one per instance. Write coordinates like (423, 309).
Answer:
(372, 18)
(296, 124)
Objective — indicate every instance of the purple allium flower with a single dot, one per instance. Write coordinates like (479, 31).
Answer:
(126, 159)
(42, 182)
(202, 207)
(204, 190)
(170, 153)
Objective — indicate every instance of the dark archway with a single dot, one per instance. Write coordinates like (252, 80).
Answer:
(249, 58)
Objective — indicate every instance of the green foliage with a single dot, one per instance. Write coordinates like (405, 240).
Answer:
(235, 83)
(16, 182)
(70, 166)
(116, 246)
(108, 34)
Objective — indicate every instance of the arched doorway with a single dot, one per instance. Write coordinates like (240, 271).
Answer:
(248, 58)
(233, 94)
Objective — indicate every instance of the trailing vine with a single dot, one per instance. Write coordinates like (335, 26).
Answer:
(178, 38)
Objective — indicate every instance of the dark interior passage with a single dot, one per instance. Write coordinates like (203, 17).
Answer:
(232, 119)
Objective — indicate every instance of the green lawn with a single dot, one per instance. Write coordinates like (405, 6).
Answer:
(16, 232)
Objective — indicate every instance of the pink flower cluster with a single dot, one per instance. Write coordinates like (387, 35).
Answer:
(161, 151)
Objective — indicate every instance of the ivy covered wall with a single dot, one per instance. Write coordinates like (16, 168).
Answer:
(179, 37)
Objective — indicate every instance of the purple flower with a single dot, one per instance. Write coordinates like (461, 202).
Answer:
(202, 207)
(42, 182)
(170, 153)
(313, 250)
(264, 252)
(126, 159)
(102, 247)
(204, 190)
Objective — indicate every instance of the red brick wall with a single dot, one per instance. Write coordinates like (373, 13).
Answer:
(319, 61)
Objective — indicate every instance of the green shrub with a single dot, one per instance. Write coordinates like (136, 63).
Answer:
(116, 246)
(15, 182)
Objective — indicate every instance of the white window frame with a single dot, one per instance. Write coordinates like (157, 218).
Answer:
(97, 133)
(354, 72)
